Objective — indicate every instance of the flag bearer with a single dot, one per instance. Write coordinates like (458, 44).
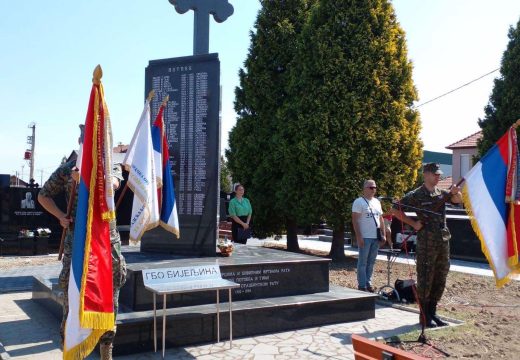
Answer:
(433, 247)
(62, 182)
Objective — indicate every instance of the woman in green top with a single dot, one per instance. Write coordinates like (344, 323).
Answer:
(240, 212)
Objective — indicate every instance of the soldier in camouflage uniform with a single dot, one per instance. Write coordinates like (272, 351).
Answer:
(433, 246)
(61, 181)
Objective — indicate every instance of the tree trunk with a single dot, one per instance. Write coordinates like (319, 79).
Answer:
(337, 248)
(292, 236)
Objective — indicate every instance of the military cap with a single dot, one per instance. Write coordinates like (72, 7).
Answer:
(433, 168)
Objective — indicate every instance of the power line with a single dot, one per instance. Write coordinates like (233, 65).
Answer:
(460, 87)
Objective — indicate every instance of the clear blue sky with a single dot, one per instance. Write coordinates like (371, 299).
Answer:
(49, 50)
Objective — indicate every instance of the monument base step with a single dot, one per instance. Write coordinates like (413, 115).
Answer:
(198, 324)
(328, 238)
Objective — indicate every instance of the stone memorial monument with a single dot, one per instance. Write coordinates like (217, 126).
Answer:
(193, 128)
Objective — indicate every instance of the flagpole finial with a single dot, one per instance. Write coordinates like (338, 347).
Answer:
(98, 74)
(165, 100)
(151, 95)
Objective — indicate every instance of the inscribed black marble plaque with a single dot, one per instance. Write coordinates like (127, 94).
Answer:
(192, 126)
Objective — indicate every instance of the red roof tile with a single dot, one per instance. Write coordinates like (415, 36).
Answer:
(467, 142)
(444, 184)
(120, 148)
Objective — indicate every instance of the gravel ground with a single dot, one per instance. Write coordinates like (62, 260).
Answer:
(491, 316)
(12, 262)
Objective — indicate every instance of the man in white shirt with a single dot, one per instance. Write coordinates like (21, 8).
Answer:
(367, 219)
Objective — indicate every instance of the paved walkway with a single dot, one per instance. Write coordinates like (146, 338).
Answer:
(27, 331)
(313, 242)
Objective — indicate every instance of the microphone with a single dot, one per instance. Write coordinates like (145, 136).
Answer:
(383, 198)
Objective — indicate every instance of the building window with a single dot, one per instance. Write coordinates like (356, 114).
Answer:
(465, 164)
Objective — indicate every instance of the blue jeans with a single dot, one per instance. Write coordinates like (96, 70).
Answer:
(366, 261)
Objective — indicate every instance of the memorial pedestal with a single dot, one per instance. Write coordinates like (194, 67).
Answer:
(26, 245)
(41, 245)
(279, 291)
(261, 273)
(33, 245)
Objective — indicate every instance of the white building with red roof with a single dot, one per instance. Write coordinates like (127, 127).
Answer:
(464, 152)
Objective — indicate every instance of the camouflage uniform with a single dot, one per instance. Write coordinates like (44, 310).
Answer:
(433, 246)
(61, 181)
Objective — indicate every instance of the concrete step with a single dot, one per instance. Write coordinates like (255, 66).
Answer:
(328, 238)
(328, 232)
(198, 324)
(195, 324)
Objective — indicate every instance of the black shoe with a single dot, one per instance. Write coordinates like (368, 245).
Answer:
(371, 289)
(434, 317)
(439, 321)
(361, 288)
(425, 318)
(428, 322)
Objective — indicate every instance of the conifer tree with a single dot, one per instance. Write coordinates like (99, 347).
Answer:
(503, 108)
(350, 115)
(256, 151)
(225, 176)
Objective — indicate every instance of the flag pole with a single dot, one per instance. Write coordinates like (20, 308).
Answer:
(123, 193)
(165, 100)
(151, 95)
(460, 182)
(149, 98)
(96, 80)
(97, 75)
(72, 196)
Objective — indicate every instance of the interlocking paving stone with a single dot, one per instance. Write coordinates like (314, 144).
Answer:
(20, 315)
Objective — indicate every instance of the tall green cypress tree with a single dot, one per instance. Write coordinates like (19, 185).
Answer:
(225, 176)
(256, 151)
(503, 108)
(352, 91)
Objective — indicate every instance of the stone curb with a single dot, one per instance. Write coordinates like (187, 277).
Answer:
(383, 302)
(3, 354)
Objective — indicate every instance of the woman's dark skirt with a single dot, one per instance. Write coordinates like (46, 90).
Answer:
(234, 230)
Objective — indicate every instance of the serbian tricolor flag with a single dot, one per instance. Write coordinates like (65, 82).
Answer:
(169, 216)
(139, 161)
(91, 308)
(491, 199)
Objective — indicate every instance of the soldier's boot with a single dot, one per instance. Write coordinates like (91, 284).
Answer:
(425, 318)
(105, 349)
(433, 314)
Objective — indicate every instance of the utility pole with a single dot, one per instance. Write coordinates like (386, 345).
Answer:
(32, 140)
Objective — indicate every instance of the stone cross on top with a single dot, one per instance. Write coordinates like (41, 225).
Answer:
(220, 9)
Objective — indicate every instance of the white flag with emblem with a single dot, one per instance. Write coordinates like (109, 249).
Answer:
(140, 164)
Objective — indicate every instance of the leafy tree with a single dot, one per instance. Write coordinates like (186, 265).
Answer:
(351, 94)
(256, 151)
(225, 176)
(504, 103)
